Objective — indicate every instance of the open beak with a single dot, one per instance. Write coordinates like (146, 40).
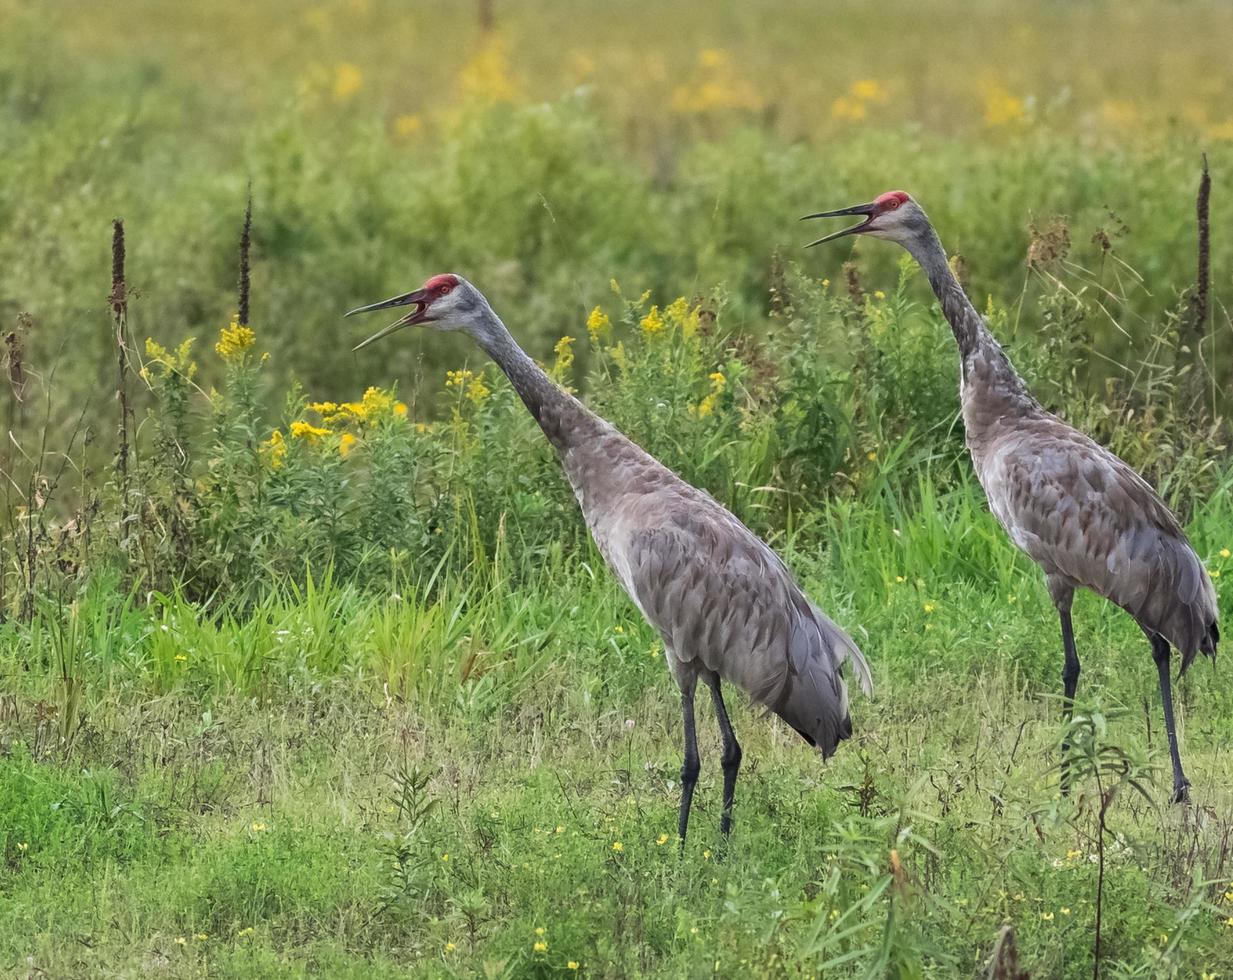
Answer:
(868, 210)
(418, 299)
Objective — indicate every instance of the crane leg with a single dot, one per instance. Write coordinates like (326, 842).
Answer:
(1063, 596)
(1070, 681)
(1160, 653)
(691, 765)
(731, 761)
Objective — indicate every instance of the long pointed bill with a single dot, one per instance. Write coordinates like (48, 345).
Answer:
(417, 298)
(867, 210)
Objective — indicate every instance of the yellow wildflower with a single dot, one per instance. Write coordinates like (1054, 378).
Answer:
(477, 391)
(560, 829)
(181, 941)
(652, 323)
(170, 362)
(181, 658)
(246, 931)
(307, 431)
(598, 325)
(348, 80)
(1072, 854)
(618, 846)
(565, 356)
(1224, 552)
(346, 442)
(1215, 572)
(706, 855)
(258, 827)
(23, 846)
(1064, 911)
(450, 947)
(274, 449)
(1047, 916)
(900, 578)
(408, 126)
(571, 965)
(869, 90)
(540, 930)
(718, 384)
(200, 936)
(486, 77)
(929, 607)
(458, 379)
(540, 946)
(234, 342)
(1002, 108)
(400, 409)
(871, 455)
(445, 857)
(848, 109)
(879, 295)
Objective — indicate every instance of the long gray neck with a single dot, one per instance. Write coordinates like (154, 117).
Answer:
(978, 350)
(563, 418)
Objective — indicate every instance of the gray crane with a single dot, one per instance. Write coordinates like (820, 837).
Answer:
(1084, 516)
(723, 602)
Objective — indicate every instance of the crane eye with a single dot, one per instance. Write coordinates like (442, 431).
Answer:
(443, 289)
(892, 204)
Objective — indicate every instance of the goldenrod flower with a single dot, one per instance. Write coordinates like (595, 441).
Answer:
(652, 323)
(181, 941)
(200, 936)
(1064, 911)
(450, 947)
(869, 90)
(618, 846)
(565, 355)
(346, 442)
(348, 80)
(445, 857)
(308, 432)
(1002, 108)
(274, 449)
(661, 839)
(234, 342)
(258, 827)
(571, 965)
(181, 658)
(478, 392)
(1047, 916)
(540, 946)
(598, 325)
(486, 76)
(879, 295)
(408, 126)
(400, 409)
(1224, 552)
(457, 379)
(929, 607)
(540, 930)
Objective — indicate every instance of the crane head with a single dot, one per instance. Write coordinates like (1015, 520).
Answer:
(894, 215)
(443, 301)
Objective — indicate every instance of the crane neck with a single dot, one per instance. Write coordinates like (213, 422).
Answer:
(983, 362)
(560, 415)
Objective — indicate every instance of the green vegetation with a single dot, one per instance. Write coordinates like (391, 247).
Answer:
(328, 678)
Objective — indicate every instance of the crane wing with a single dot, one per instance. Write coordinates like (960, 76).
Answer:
(719, 596)
(1081, 512)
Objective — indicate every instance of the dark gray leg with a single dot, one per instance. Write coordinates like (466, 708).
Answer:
(1160, 653)
(732, 753)
(1063, 595)
(691, 765)
(1070, 680)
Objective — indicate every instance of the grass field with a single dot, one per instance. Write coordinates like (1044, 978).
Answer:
(313, 670)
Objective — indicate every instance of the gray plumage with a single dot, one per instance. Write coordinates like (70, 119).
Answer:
(1084, 516)
(723, 602)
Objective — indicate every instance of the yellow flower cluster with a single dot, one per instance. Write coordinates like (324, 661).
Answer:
(715, 85)
(470, 384)
(853, 105)
(374, 407)
(169, 362)
(564, 351)
(234, 342)
(274, 450)
(718, 384)
(598, 325)
(652, 323)
(310, 433)
(348, 80)
(1002, 108)
(486, 77)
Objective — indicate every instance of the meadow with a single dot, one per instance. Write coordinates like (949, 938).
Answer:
(309, 666)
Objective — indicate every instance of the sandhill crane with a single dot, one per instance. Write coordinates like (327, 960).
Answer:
(724, 604)
(1084, 516)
